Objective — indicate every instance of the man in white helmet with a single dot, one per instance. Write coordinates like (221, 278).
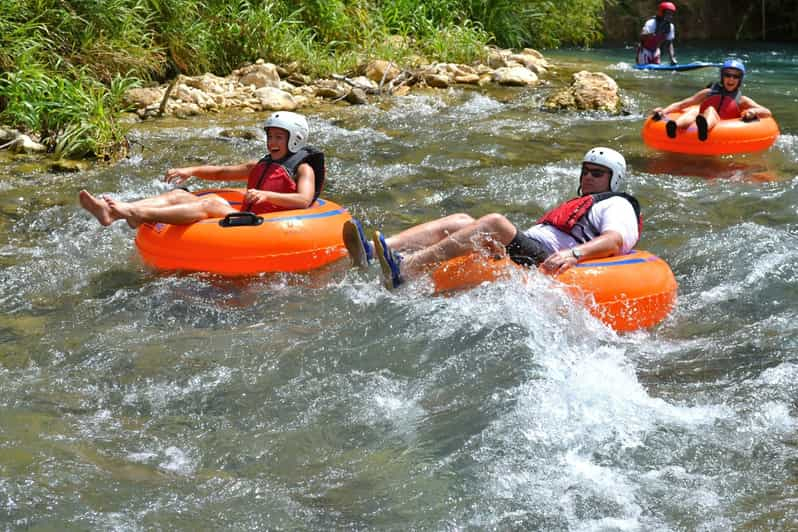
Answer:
(290, 176)
(600, 222)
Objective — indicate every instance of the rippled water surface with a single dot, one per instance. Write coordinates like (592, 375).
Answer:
(134, 400)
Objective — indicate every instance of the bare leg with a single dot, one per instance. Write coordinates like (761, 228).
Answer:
(101, 209)
(687, 118)
(189, 211)
(97, 207)
(429, 233)
(712, 117)
(177, 196)
(491, 232)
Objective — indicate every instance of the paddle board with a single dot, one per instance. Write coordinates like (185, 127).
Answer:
(681, 66)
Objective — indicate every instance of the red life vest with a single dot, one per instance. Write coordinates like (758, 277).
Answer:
(727, 104)
(280, 176)
(654, 41)
(573, 213)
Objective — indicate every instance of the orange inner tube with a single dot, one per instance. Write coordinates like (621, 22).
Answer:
(727, 137)
(285, 241)
(627, 292)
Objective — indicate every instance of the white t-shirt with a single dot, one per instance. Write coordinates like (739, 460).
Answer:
(651, 26)
(612, 214)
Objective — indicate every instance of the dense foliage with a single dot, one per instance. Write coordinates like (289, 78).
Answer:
(65, 64)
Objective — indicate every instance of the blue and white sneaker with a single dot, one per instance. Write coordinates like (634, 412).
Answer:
(360, 249)
(389, 261)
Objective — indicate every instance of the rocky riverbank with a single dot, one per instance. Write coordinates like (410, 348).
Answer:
(265, 87)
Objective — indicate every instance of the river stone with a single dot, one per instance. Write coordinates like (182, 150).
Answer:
(285, 86)
(208, 83)
(7, 135)
(183, 109)
(592, 91)
(515, 76)
(357, 96)
(143, 97)
(469, 79)
(530, 60)
(379, 70)
(329, 88)
(438, 81)
(298, 78)
(366, 84)
(259, 75)
(68, 165)
(497, 58)
(25, 144)
(274, 99)
(192, 95)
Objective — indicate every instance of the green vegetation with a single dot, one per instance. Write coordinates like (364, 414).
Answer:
(64, 65)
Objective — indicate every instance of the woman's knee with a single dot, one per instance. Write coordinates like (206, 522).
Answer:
(179, 195)
(214, 206)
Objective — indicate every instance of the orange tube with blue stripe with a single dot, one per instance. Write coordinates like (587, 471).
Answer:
(626, 292)
(285, 241)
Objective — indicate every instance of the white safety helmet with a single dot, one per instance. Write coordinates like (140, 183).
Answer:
(295, 124)
(612, 160)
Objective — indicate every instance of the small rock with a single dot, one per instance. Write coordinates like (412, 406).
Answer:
(356, 96)
(25, 144)
(379, 70)
(514, 76)
(68, 165)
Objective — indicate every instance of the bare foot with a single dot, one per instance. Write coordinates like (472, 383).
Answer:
(121, 209)
(98, 207)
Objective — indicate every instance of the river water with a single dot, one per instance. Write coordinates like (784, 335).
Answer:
(133, 400)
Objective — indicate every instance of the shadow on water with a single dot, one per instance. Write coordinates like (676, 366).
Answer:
(751, 168)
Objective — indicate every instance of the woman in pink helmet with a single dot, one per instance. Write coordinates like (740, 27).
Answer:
(657, 31)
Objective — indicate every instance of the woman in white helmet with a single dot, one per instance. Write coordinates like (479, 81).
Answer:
(600, 222)
(290, 176)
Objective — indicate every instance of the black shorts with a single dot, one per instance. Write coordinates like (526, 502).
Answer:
(525, 250)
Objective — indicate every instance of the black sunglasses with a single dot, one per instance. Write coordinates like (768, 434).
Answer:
(595, 172)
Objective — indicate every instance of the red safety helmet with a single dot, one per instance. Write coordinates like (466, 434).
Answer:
(665, 6)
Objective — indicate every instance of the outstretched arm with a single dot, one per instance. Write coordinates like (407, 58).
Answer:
(238, 172)
(695, 99)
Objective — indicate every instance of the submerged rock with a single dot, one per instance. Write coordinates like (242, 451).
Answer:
(68, 165)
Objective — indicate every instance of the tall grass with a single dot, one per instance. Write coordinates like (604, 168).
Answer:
(76, 116)
(62, 64)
